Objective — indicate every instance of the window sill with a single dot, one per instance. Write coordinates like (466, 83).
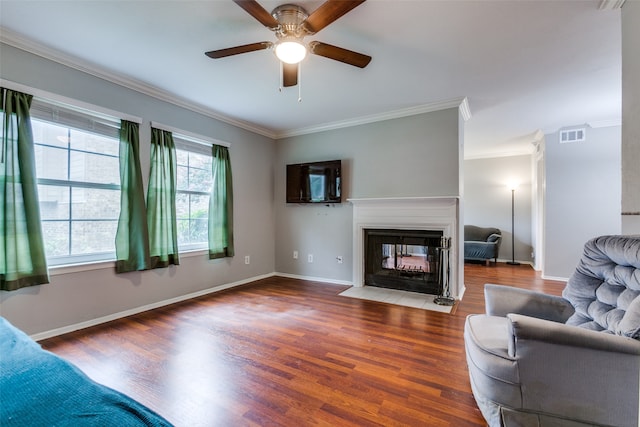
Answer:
(57, 270)
(75, 268)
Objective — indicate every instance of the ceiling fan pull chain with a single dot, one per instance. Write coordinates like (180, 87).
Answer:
(300, 82)
(281, 76)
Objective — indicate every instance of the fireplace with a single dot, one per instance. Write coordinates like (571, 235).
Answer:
(402, 259)
(427, 216)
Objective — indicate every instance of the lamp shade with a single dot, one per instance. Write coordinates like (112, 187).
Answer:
(290, 52)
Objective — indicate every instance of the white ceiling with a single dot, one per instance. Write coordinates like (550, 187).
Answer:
(524, 66)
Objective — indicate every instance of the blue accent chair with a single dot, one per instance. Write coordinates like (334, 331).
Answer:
(481, 243)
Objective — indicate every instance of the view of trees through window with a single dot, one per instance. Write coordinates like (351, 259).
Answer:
(79, 191)
(78, 175)
(194, 182)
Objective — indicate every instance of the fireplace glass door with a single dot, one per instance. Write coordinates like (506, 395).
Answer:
(402, 259)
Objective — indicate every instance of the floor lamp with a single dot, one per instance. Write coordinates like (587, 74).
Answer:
(513, 221)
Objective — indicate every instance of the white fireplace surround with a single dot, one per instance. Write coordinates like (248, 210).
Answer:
(409, 213)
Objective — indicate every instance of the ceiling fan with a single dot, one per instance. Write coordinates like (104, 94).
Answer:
(291, 23)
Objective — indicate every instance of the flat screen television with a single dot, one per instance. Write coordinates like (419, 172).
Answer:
(317, 182)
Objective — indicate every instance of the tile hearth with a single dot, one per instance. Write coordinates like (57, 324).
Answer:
(397, 297)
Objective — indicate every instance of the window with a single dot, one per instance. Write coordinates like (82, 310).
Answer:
(193, 189)
(77, 167)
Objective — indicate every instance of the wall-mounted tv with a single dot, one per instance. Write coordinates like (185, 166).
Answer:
(317, 182)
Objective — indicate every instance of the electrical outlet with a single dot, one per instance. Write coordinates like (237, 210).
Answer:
(247, 259)
(295, 254)
(310, 258)
(339, 259)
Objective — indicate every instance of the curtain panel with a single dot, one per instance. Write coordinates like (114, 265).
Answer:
(161, 201)
(221, 206)
(22, 255)
(132, 237)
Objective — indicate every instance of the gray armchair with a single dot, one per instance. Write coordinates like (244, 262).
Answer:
(543, 360)
(481, 243)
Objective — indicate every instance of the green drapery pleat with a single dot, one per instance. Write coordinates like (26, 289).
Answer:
(22, 257)
(161, 201)
(221, 206)
(132, 237)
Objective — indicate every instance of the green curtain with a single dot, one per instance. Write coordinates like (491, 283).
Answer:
(161, 201)
(221, 206)
(22, 257)
(132, 237)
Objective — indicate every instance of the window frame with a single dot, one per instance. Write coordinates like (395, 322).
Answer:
(68, 186)
(191, 146)
(56, 110)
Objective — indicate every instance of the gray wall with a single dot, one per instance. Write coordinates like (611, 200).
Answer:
(82, 296)
(630, 118)
(488, 200)
(582, 196)
(405, 157)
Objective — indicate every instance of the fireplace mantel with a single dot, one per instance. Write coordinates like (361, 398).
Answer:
(409, 213)
(402, 200)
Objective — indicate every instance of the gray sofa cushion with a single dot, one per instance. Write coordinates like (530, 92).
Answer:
(605, 287)
(473, 233)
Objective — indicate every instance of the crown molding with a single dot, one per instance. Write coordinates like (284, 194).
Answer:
(529, 150)
(18, 41)
(14, 39)
(405, 112)
(538, 136)
(594, 124)
(465, 110)
(605, 123)
(611, 4)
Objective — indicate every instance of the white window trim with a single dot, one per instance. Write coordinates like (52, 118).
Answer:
(78, 259)
(190, 136)
(190, 144)
(54, 98)
(57, 270)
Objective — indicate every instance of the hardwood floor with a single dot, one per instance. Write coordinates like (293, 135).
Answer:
(285, 352)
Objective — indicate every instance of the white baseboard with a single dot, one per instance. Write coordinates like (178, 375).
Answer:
(315, 279)
(521, 262)
(559, 279)
(463, 289)
(104, 319)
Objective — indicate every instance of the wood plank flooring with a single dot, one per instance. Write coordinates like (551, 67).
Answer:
(286, 352)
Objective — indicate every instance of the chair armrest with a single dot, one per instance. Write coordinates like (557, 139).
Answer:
(493, 238)
(530, 328)
(502, 300)
(575, 373)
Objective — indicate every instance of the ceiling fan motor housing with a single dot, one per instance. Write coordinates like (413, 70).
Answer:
(290, 17)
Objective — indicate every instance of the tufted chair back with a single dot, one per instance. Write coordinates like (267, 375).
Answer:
(604, 290)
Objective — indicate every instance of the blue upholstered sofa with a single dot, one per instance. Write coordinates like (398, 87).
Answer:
(481, 243)
(38, 388)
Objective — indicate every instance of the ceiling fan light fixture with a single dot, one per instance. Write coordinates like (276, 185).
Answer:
(290, 51)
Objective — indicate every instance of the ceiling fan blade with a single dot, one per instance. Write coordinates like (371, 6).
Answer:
(289, 74)
(339, 54)
(328, 12)
(254, 9)
(221, 53)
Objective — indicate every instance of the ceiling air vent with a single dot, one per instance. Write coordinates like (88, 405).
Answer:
(572, 135)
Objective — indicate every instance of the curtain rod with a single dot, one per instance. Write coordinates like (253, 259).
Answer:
(193, 137)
